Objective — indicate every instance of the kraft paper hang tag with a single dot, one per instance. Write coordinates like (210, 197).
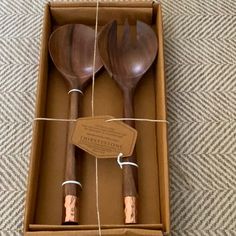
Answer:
(104, 139)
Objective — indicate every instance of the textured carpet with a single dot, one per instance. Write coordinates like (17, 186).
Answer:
(200, 51)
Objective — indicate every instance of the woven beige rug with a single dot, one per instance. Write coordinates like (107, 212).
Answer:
(200, 51)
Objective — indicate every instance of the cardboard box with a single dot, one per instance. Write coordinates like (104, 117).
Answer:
(44, 197)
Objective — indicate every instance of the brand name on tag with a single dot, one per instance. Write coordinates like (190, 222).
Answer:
(104, 139)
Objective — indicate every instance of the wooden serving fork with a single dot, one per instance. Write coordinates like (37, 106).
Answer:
(127, 59)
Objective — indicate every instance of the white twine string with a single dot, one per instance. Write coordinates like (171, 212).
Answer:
(121, 163)
(94, 57)
(109, 120)
(58, 119)
(137, 119)
(72, 182)
(54, 119)
(97, 199)
(92, 108)
(76, 90)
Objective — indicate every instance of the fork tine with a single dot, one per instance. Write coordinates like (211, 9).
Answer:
(103, 45)
(145, 35)
(112, 46)
(126, 33)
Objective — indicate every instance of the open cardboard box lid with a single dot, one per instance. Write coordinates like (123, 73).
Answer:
(46, 172)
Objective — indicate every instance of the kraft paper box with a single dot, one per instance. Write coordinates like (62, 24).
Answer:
(43, 213)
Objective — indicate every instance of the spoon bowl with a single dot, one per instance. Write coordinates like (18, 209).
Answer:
(72, 51)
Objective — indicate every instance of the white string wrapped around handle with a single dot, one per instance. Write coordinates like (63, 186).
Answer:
(72, 182)
(76, 90)
(121, 163)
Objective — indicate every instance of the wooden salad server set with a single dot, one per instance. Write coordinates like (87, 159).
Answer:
(126, 59)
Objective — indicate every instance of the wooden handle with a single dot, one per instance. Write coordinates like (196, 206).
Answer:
(70, 215)
(130, 173)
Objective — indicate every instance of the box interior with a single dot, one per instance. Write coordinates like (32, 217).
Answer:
(46, 203)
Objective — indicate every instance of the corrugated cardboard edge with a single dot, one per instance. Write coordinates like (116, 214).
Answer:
(105, 232)
(37, 227)
(37, 128)
(135, 4)
(162, 145)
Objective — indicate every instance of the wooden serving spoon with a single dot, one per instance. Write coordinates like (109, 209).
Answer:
(126, 60)
(72, 50)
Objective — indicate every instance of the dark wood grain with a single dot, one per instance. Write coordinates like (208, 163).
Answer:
(70, 165)
(127, 57)
(72, 50)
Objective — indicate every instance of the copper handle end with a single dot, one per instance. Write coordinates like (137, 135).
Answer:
(71, 209)
(130, 210)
